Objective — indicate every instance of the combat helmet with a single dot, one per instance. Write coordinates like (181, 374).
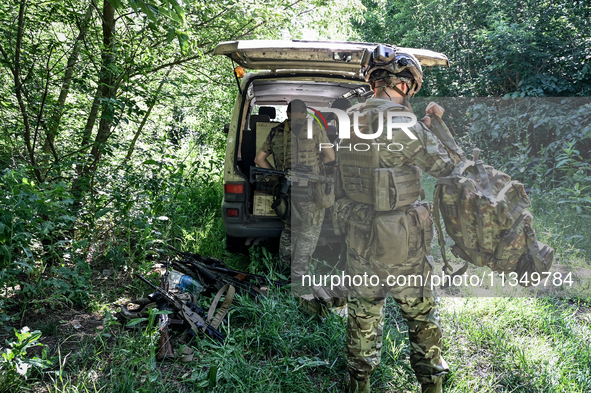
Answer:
(387, 61)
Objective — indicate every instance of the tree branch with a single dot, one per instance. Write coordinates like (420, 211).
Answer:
(44, 99)
(66, 83)
(197, 70)
(175, 62)
(17, 88)
(145, 118)
(212, 18)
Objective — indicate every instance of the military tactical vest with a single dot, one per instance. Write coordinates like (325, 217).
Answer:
(364, 180)
(305, 150)
(281, 145)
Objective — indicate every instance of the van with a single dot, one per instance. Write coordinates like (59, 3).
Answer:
(316, 72)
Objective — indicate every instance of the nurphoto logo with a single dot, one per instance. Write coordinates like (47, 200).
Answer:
(394, 120)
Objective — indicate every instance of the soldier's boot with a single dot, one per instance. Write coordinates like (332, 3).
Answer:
(354, 384)
(312, 306)
(432, 387)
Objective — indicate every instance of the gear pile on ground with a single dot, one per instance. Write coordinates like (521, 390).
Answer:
(193, 275)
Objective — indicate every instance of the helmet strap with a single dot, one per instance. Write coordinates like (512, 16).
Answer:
(385, 92)
(393, 86)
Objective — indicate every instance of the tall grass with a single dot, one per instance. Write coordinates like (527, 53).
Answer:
(491, 345)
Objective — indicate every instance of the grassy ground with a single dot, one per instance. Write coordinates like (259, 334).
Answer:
(491, 344)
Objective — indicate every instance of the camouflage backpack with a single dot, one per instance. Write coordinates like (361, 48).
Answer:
(485, 213)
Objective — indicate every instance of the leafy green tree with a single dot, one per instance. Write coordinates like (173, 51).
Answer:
(90, 93)
(519, 47)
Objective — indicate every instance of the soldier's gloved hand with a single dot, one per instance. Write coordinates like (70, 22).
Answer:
(433, 109)
(329, 168)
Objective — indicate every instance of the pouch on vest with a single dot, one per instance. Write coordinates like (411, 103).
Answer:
(389, 243)
(359, 229)
(323, 199)
(400, 235)
(394, 188)
(420, 229)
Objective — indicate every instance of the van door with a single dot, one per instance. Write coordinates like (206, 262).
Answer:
(311, 55)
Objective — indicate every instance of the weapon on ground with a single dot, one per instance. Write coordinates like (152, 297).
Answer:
(165, 350)
(210, 331)
(299, 176)
(164, 346)
(213, 273)
(192, 317)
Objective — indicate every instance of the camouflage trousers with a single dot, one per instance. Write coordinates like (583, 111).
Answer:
(365, 326)
(298, 241)
(392, 244)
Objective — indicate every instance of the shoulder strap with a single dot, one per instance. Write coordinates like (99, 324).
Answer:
(439, 129)
(274, 130)
(441, 239)
(437, 219)
(214, 321)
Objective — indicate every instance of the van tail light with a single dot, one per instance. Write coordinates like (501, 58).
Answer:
(234, 188)
(234, 192)
(232, 212)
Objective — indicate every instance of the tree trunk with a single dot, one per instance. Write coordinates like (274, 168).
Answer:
(107, 83)
(106, 92)
(66, 83)
(18, 91)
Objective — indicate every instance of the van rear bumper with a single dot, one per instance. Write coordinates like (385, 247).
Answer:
(243, 226)
(253, 227)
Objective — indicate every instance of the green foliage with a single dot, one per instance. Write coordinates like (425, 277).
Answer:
(263, 262)
(35, 238)
(529, 345)
(496, 48)
(116, 359)
(526, 345)
(106, 186)
(16, 364)
(35, 221)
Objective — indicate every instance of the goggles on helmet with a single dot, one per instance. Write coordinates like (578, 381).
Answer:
(390, 62)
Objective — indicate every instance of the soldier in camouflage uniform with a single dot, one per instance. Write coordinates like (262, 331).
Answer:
(290, 146)
(388, 232)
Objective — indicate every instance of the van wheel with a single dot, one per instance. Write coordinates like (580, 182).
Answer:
(236, 244)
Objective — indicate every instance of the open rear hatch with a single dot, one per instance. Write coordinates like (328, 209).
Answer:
(326, 57)
(311, 55)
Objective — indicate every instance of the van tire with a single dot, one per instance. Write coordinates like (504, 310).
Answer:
(236, 244)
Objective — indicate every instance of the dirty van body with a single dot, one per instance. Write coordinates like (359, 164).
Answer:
(315, 72)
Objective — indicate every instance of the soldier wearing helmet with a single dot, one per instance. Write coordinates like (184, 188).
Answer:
(388, 230)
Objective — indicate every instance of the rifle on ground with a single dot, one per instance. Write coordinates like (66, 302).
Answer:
(299, 176)
(213, 273)
(164, 346)
(188, 311)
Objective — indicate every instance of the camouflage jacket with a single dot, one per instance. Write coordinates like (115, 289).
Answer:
(387, 172)
(306, 151)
